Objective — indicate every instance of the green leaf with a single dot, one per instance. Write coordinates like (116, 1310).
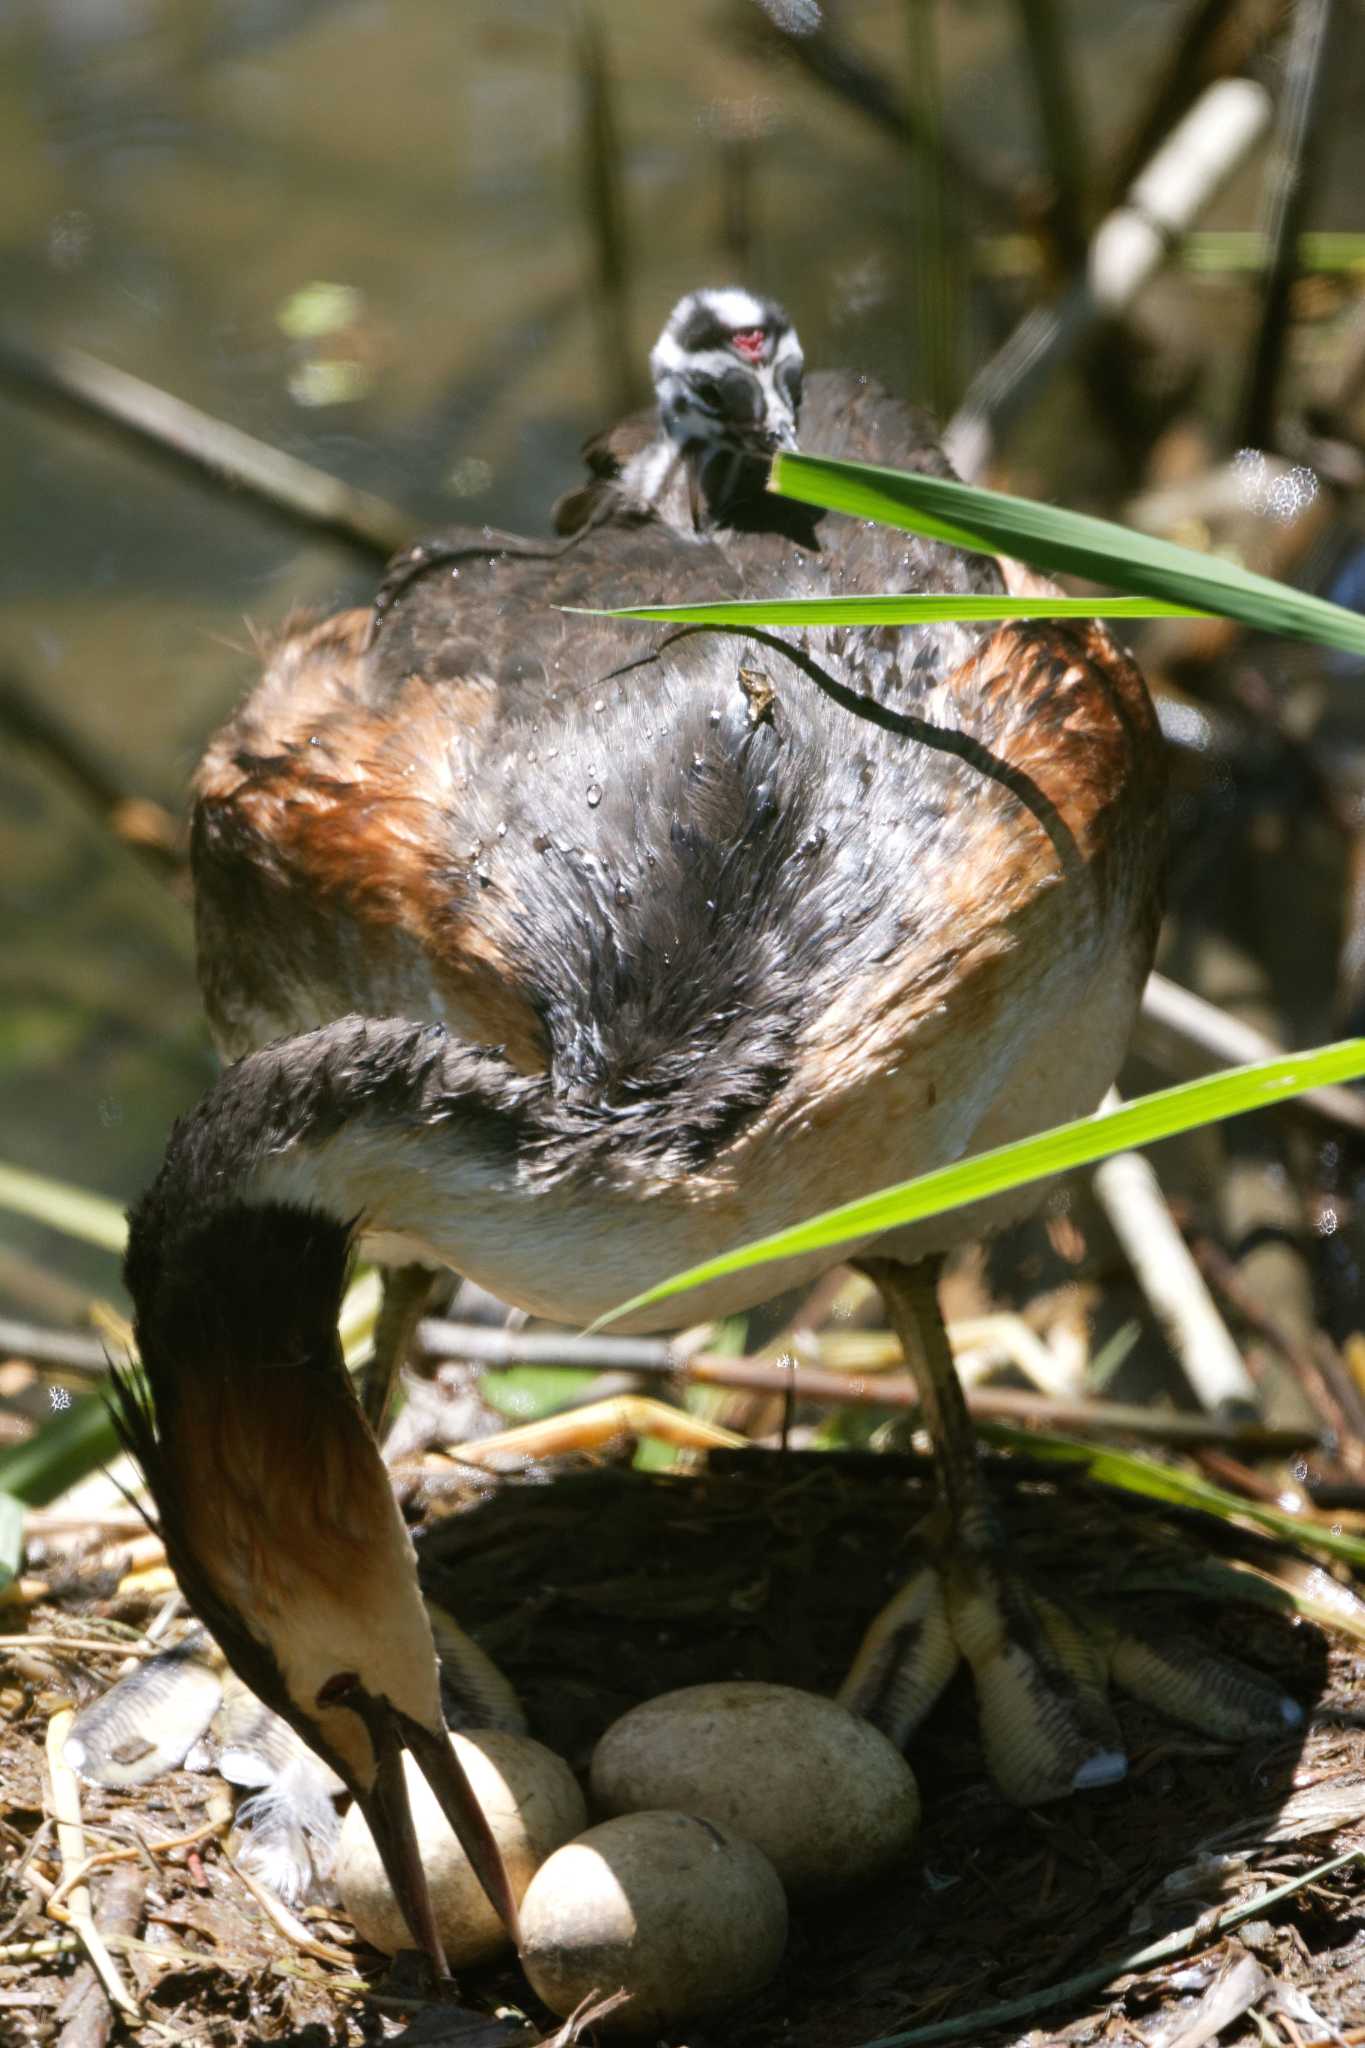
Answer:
(92, 1218)
(66, 1449)
(987, 522)
(913, 609)
(1010, 1166)
(652, 1454)
(527, 1393)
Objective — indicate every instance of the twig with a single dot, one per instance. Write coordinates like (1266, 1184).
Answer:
(210, 448)
(1175, 1016)
(86, 2012)
(1198, 1933)
(1333, 1394)
(72, 1350)
(654, 1358)
(598, 1424)
(66, 1811)
(84, 1645)
(21, 1871)
(1218, 39)
(1130, 1195)
(588, 2012)
(1126, 252)
(1286, 190)
(288, 1924)
(1059, 125)
(476, 1344)
(604, 208)
(131, 1853)
(934, 274)
(34, 1951)
(837, 64)
(1233, 1992)
(169, 1954)
(112, 1522)
(140, 824)
(78, 1351)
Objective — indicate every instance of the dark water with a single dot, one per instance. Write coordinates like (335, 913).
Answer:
(174, 177)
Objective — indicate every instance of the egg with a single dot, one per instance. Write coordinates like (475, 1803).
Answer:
(685, 1916)
(532, 1803)
(826, 1797)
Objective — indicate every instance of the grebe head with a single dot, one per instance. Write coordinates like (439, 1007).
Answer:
(727, 369)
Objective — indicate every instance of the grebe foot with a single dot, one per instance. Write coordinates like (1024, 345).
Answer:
(1042, 1673)
(1040, 1677)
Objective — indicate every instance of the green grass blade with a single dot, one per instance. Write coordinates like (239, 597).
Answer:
(92, 1218)
(1125, 1472)
(1240, 1585)
(1090, 1138)
(911, 609)
(988, 522)
(1243, 1585)
(1338, 1611)
(1221, 249)
(1215, 250)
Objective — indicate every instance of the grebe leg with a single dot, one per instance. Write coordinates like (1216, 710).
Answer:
(1041, 1669)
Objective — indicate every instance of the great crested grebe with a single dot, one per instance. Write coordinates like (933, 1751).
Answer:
(589, 950)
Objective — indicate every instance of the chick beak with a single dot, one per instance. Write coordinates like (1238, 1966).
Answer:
(770, 440)
(694, 461)
(388, 1814)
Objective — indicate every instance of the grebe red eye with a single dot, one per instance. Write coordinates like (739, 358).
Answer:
(751, 343)
(337, 1688)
